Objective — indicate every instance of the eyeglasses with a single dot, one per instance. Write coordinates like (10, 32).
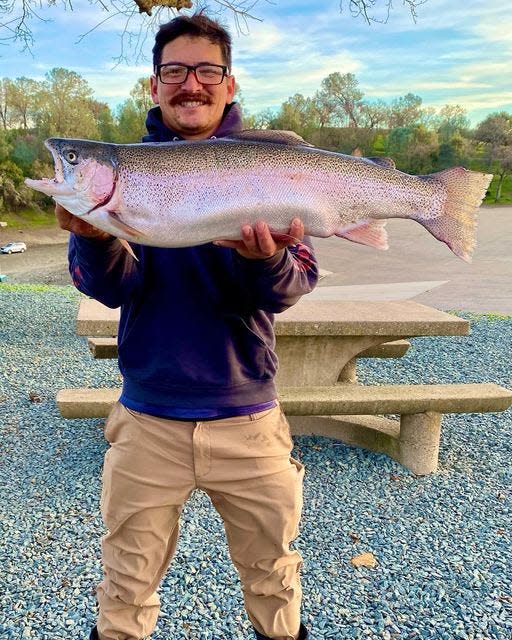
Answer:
(178, 73)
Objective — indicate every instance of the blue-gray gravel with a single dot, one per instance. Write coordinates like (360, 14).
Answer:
(442, 542)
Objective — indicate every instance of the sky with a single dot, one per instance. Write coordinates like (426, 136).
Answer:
(457, 51)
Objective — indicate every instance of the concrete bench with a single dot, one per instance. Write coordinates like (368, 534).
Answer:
(353, 414)
(107, 348)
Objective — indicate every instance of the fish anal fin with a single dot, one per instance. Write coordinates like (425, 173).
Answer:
(368, 232)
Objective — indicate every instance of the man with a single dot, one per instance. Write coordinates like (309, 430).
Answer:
(196, 350)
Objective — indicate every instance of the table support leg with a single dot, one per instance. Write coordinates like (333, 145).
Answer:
(418, 443)
(349, 372)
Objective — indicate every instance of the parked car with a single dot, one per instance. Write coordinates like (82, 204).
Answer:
(14, 247)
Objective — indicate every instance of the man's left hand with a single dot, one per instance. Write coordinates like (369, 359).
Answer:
(259, 242)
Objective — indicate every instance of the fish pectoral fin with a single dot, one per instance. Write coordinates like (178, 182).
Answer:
(128, 248)
(369, 232)
(124, 228)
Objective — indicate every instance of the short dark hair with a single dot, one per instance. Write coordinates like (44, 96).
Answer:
(195, 26)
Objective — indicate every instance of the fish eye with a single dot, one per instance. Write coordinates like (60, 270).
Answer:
(71, 156)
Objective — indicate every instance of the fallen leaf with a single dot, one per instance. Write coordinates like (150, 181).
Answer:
(364, 560)
(354, 537)
(34, 397)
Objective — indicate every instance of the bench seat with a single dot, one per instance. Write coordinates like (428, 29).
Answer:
(107, 348)
(353, 414)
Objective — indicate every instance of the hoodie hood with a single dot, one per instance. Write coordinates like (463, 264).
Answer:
(158, 132)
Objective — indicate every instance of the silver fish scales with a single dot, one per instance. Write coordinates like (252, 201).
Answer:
(188, 193)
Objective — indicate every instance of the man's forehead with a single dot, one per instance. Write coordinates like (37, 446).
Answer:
(191, 49)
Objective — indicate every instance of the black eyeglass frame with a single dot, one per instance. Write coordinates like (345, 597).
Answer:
(193, 68)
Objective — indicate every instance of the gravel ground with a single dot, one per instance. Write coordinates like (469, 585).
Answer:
(441, 542)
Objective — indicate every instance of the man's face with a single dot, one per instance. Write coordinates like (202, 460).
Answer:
(191, 109)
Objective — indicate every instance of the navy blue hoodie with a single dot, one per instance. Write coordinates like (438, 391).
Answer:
(196, 332)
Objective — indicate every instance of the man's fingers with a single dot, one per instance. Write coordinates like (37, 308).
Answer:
(297, 229)
(264, 239)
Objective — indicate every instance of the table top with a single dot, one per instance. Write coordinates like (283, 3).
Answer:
(319, 318)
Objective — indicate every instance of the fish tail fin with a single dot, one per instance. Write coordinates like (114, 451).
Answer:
(457, 225)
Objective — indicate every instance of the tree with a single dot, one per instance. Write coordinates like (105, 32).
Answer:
(504, 158)
(296, 114)
(23, 94)
(66, 106)
(405, 111)
(414, 148)
(323, 108)
(451, 120)
(131, 115)
(374, 114)
(495, 131)
(344, 93)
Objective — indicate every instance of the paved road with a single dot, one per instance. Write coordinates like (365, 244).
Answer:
(415, 257)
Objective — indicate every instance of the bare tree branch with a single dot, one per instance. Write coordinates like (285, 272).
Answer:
(142, 17)
(367, 8)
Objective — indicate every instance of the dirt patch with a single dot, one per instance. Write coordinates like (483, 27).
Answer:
(44, 262)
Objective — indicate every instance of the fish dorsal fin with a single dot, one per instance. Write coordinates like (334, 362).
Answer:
(270, 135)
(389, 163)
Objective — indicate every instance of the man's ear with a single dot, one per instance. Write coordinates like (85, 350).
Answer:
(231, 89)
(153, 83)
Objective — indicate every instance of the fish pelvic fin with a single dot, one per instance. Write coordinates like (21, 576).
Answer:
(369, 232)
(456, 227)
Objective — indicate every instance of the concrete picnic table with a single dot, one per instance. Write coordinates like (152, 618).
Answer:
(318, 341)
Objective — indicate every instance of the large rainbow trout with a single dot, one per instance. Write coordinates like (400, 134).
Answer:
(180, 194)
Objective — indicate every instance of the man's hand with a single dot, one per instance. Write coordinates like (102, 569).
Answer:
(72, 223)
(258, 242)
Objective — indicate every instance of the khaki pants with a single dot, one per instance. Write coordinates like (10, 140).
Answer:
(150, 470)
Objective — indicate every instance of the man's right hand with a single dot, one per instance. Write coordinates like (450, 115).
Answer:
(72, 223)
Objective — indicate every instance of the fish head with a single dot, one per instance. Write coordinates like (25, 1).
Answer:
(85, 174)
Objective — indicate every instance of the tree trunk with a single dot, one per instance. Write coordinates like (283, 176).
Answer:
(498, 188)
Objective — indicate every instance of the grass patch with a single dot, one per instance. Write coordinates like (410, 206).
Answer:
(66, 290)
(506, 191)
(28, 218)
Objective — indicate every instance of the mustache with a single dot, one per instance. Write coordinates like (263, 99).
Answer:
(183, 97)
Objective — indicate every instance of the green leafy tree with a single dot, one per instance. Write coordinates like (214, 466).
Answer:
(296, 114)
(374, 114)
(405, 111)
(323, 108)
(66, 106)
(451, 120)
(414, 148)
(495, 131)
(131, 115)
(23, 95)
(504, 168)
(343, 90)
(104, 121)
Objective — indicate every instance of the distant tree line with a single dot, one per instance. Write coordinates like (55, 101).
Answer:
(337, 117)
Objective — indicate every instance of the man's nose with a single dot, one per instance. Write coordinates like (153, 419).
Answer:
(191, 83)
